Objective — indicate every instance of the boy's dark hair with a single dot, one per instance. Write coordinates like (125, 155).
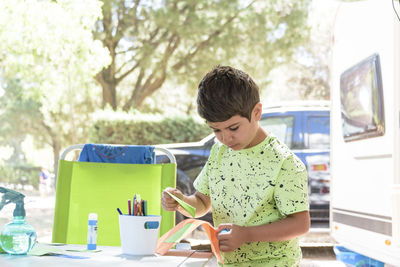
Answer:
(225, 92)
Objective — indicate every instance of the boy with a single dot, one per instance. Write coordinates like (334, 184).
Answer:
(255, 186)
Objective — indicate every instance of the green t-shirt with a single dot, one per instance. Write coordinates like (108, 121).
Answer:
(256, 186)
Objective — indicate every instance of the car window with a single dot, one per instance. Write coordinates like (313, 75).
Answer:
(281, 127)
(318, 132)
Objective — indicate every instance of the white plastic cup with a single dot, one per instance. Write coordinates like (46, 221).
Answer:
(139, 234)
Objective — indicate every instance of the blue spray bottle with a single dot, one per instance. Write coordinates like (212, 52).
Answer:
(17, 237)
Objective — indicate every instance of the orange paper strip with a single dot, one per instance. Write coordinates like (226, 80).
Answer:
(163, 247)
(189, 253)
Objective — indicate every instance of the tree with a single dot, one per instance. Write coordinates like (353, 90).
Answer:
(17, 113)
(47, 64)
(153, 41)
(310, 65)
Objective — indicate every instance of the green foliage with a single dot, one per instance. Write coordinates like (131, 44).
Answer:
(146, 129)
(49, 53)
(13, 105)
(153, 42)
(50, 62)
(20, 174)
(47, 63)
(309, 68)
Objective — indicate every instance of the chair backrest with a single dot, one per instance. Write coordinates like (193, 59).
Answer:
(90, 187)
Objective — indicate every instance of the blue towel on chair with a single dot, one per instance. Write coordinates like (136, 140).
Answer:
(117, 154)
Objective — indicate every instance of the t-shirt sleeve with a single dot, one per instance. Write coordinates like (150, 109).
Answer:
(291, 189)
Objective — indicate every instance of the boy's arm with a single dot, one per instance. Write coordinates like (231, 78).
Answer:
(201, 202)
(292, 226)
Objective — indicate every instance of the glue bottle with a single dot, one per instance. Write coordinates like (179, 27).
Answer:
(17, 237)
(92, 232)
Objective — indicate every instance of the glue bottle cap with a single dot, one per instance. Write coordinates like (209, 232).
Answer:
(93, 216)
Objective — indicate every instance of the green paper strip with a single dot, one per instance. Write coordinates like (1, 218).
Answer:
(53, 244)
(175, 238)
(44, 250)
(184, 205)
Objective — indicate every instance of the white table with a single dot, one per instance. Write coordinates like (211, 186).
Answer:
(107, 257)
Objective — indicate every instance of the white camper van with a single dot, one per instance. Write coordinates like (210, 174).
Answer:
(365, 136)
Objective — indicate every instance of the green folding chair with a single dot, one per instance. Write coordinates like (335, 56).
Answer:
(91, 187)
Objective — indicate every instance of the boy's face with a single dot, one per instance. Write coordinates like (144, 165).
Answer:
(238, 132)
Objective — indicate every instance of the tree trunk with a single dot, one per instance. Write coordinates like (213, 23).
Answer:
(56, 156)
(56, 146)
(18, 155)
(146, 90)
(108, 84)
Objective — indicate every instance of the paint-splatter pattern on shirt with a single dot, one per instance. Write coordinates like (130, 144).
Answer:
(256, 186)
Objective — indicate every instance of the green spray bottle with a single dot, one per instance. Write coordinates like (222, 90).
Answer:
(17, 237)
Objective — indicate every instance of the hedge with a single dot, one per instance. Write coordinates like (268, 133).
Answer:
(21, 174)
(146, 129)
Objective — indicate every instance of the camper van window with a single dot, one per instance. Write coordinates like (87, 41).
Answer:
(362, 100)
(281, 127)
(318, 132)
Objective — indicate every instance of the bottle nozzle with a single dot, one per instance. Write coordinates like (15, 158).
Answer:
(19, 209)
(11, 196)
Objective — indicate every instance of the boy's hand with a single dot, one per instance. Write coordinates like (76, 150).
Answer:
(167, 202)
(231, 238)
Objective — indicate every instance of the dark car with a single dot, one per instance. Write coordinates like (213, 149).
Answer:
(303, 126)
